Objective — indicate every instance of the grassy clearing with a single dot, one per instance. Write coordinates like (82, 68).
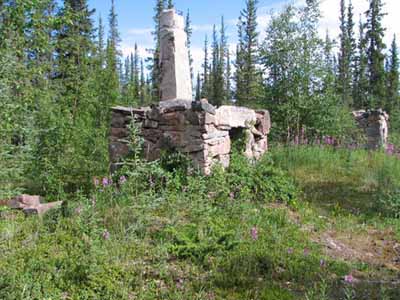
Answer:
(244, 233)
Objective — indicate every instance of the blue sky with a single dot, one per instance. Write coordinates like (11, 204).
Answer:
(135, 19)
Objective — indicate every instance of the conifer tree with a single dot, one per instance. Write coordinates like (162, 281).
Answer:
(113, 65)
(74, 50)
(361, 83)
(375, 53)
(206, 83)
(248, 50)
(189, 32)
(393, 77)
(228, 76)
(135, 72)
(346, 56)
(100, 42)
(198, 88)
(170, 4)
(155, 61)
(142, 84)
(214, 78)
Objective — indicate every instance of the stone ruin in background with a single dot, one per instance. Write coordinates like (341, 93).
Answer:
(375, 124)
(196, 128)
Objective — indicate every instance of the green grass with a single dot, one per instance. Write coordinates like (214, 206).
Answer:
(165, 235)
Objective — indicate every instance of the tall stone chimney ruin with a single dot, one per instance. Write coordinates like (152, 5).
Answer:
(175, 81)
(206, 134)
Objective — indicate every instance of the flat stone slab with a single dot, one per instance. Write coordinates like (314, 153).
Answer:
(235, 116)
(31, 205)
(174, 105)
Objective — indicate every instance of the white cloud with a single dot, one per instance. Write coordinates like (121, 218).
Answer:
(330, 16)
(140, 31)
(204, 27)
(128, 49)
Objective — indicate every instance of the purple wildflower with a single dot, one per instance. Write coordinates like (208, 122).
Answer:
(290, 251)
(322, 263)
(122, 180)
(105, 182)
(349, 279)
(390, 149)
(179, 283)
(105, 235)
(254, 233)
(306, 252)
(296, 140)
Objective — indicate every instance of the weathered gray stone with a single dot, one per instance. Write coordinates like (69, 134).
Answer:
(215, 134)
(375, 125)
(148, 123)
(173, 105)
(41, 209)
(24, 201)
(119, 133)
(174, 59)
(234, 116)
(263, 123)
(203, 105)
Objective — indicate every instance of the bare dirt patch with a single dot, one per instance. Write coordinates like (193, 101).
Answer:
(374, 247)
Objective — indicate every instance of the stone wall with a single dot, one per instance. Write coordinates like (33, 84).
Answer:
(375, 124)
(196, 129)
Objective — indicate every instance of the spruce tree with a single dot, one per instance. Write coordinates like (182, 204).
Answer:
(393, 77)
(205, 87)
(375, 53)
(189, 32)
(155, 68)
(214, 78)
(170, 4)
(142, 84)
(361, 84)
(135, 72)
(198, 88)
(343, 62)
(250, 86)
(113, 58)
(346, 56)
(228, 77)
(74, 50)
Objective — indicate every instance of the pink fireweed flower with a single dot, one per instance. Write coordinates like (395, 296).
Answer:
(390, 149)
(296, 140)
(122, 180)
(106, 182)
(349, 279)
(322, 263)
(254, 233)
(105, 235)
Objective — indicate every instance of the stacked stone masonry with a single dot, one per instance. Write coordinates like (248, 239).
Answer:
(375, 124)
(196, 129)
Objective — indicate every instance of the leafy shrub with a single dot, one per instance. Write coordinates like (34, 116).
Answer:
(256, 181)
(198, 241)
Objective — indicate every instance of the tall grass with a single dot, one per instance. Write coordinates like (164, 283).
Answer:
(369, 180)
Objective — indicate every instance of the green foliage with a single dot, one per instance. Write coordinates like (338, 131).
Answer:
(199, 241)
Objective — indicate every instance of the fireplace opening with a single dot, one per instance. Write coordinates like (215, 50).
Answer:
(238, 139)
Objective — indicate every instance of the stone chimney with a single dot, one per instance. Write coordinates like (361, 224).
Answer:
(175, 81)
